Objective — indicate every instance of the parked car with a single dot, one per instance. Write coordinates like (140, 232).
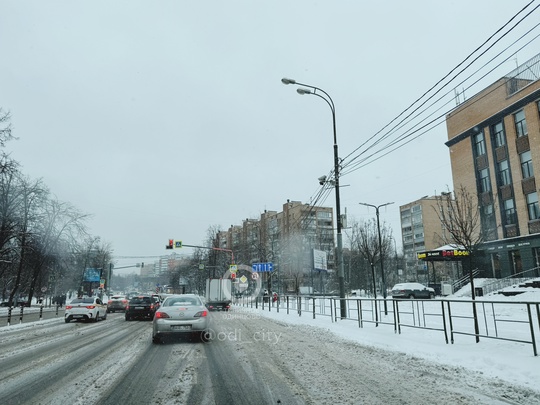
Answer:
(117, 303)
(140, 307)
(412, 290)
(90, 309)
(184, 314)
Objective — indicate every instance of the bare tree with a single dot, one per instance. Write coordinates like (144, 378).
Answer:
(365, 239)
(58, 220)
(460, 216)
(28, 198)
(367, 243)
(294, 261)
(6, 164)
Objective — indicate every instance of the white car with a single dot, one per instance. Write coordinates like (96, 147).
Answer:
(412, 291)
(183, 314)
(90, 309)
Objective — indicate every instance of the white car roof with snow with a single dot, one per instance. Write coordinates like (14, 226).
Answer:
(409, 286)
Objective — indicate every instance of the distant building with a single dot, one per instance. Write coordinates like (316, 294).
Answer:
(421, 230)
(286, 238)
(494, 143)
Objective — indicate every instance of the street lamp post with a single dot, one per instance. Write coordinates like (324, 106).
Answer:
(326, 97)
(380, 251)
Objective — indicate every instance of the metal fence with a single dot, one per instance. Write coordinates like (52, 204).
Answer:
(509, 321)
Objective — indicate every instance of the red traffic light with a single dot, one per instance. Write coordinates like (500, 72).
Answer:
(170, 245)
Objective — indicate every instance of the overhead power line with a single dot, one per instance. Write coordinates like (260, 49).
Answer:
(352, 163)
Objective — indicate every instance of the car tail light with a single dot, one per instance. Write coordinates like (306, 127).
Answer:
(201, 313)
(127, 307)
(90, 306)
(162, 315)
(151, 306)
(124, 301)
(69, 306)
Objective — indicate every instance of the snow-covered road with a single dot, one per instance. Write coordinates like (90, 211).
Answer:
(251, 359)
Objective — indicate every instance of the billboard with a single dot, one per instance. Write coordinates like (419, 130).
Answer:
(92, 274)
(319, 260)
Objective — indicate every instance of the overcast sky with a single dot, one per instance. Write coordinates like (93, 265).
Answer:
(165, 118)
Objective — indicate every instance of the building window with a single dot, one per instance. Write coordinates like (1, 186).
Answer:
(488, 217)
(497, 132)
(509, 212)
(521, 124)
(484, 181)
(536, 251)
(532, 206)
(504, 173)
(479, 144)
(526, 164)
(324, 215)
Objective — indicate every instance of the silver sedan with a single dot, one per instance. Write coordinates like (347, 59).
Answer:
(181, 315)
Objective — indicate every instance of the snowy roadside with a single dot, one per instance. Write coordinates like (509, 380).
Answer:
(25, 325)
(509, 361)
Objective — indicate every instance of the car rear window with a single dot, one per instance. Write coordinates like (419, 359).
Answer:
(170, 302)
(141, 300)
(82, 301)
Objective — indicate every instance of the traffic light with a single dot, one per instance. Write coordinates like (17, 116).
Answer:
(170, 245)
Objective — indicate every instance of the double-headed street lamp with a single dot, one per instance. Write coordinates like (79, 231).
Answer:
(326, 97)
(380, 250)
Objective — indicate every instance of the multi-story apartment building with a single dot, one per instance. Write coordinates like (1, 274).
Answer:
(286, 238)
(494, 143)
(421, 230)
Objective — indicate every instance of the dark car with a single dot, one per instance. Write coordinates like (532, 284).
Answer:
(412, 291)
(141, 307)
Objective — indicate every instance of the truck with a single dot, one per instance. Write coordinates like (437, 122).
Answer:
(218, 294)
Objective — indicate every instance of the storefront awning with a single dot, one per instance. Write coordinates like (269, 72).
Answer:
(444, 253)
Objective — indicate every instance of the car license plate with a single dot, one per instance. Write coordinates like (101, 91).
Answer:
(139, 307)
(77, 316)
(180, 327)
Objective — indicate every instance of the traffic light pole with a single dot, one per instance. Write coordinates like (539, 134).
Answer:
(171, 246)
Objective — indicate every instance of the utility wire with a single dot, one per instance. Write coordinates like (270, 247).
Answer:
(438, 120)
(439, 82)
(411, 134)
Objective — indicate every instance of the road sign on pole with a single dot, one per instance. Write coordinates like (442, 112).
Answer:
(262, 267)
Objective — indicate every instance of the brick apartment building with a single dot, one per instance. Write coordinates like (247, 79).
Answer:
(285, 238)
(494, 145)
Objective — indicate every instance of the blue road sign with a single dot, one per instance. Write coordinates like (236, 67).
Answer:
(262, 267)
